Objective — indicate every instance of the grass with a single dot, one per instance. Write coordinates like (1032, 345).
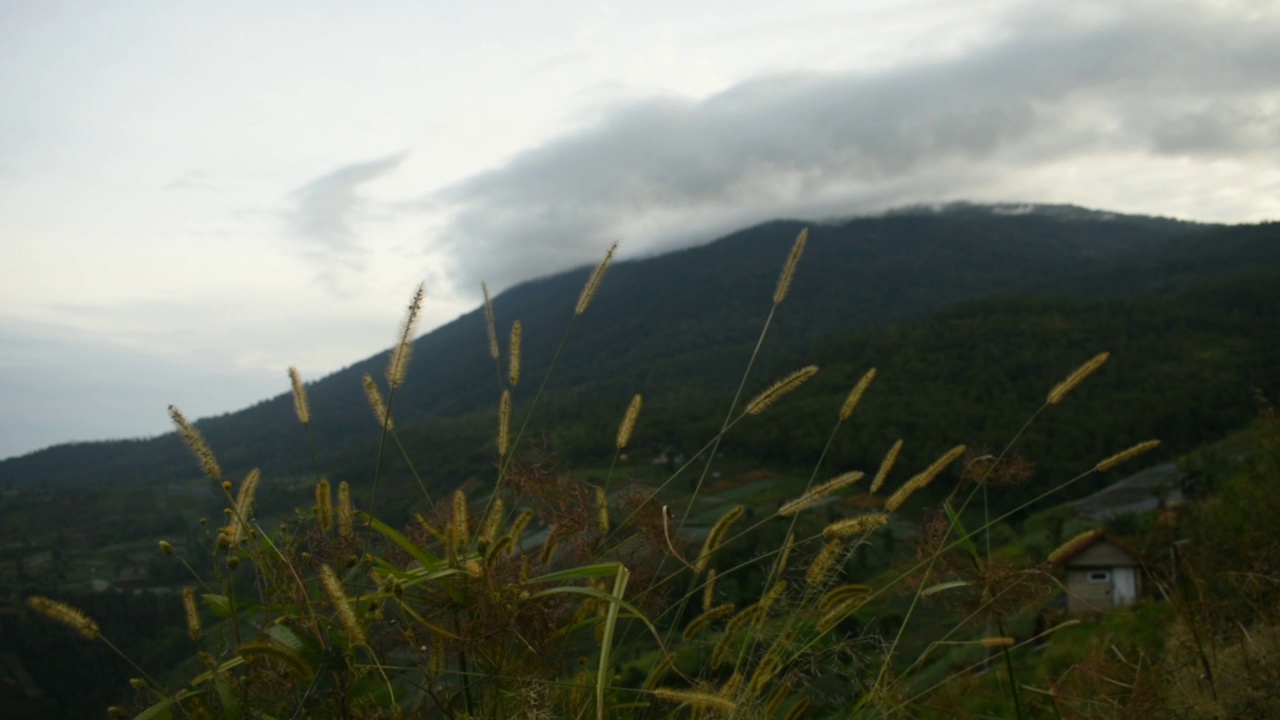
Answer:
(528, 597)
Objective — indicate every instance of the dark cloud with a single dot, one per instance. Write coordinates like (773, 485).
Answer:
(323, 211)
(1058, 81)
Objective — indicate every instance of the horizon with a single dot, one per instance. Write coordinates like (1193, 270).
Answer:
(197, 203)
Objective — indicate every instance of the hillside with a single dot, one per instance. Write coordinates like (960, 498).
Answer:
(668, 326)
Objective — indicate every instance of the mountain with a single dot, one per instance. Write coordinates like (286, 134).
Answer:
(680, 326)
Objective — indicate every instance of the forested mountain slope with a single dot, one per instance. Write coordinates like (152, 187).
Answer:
(681, 325)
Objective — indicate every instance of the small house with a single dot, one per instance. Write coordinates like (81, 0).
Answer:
(1101, 574)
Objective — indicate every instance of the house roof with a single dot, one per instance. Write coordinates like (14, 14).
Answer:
(1077, 545)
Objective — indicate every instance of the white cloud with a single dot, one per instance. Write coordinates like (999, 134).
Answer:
(223, 190)
(1066, 87)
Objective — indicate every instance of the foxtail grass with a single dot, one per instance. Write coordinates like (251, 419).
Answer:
(855, 395)
(483, 617)
(513, 353)
(301, 407)
(923, 478)
(886, 465)
(376, 403)
(398, 366)
(628, 424)
(489, 325)
(342, 604)
(774, 392)
(593, 283)
(1076, 377)
(65, 614)
(819, 493)
(195, 441)
(789, 269)
(1126, 455)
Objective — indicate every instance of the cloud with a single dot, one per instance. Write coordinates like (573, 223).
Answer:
(53, 395)
(323, 212)
(1062, 85)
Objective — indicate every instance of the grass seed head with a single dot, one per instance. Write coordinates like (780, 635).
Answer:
(997, 642)
(338, 597)
(925, 477)
(823, 563)
(818, 493)
(772, 596)
(492, 522)
(376, 404)
(1126, 455)
(729, 690)
(799, 710)
(518, 525)
(602, 509)
(458, 523)
(324, 505)
(195, 441)
(192, 614)
(398, 366)
(775, 391)
(886, 465)
(747, 617)
(789, 270)
(704, 620)
(346, 512)
(593, 282)
(513, 355)
(855, 395)
(65, 614)
(776, 699)
(239, 529)
(1072, 546)
(1076, 377)
(629, 422)
(659, 671)
(764, 673)
(838, 612)
(300, 406)
(858, 525)
(715, 537)
(842, 594)
(489, 326)
(504, 422)
(696, 699)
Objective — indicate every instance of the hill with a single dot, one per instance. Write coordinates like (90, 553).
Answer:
(669, 326)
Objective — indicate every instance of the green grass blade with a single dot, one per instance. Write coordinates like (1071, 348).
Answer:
(426, 559)
(606, 644)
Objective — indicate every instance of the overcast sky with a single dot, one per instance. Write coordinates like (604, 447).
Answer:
(194, 196)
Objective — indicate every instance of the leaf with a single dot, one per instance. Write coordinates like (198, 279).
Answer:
(286, 637)
(219, 605)
(230, 703)
(160, 711)
(424, 558)
(950, 585)
(579, 573)
(592, 592)
(606, 643)
(965, 536)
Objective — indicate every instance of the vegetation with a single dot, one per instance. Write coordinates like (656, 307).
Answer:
(705, 586)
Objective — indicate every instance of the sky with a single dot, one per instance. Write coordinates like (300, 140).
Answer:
(196, 196)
